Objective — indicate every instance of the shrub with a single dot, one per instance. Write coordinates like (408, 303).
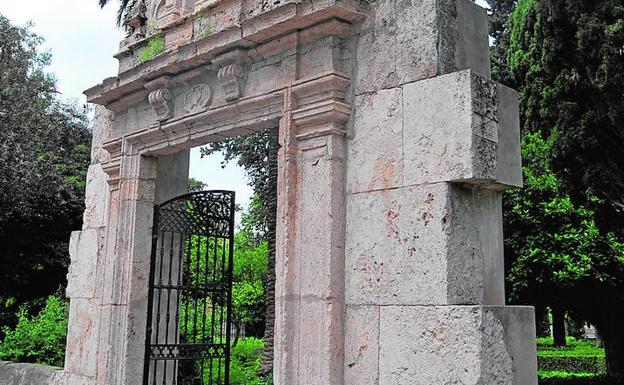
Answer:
(155, 46)
(246, 358)
(580, 360)
(563, 378)
(39, 338)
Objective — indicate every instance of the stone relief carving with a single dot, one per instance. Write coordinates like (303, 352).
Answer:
(134, 21)
(197, 98)
(231, 77)
(160, 99)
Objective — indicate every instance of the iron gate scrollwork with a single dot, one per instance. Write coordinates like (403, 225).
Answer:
(190, 294)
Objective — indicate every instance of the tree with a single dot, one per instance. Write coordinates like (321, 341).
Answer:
(249, 276)
(124, 7)
(257, 154)
(564, 229)
(569, 58)
(554, 250)
(44, 155)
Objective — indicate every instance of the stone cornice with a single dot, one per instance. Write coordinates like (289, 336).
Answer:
(247, 36)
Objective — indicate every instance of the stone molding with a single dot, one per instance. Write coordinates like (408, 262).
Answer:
(248, 36)
(318, 109)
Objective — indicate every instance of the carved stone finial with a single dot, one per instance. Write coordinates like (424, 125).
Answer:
(134, 21)
(231, 77)
(160, 99)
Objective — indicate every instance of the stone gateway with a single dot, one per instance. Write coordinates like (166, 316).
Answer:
(395, 148)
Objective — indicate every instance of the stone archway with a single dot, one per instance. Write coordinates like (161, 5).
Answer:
(395, 147)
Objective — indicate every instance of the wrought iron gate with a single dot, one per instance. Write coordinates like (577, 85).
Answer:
(190, 294)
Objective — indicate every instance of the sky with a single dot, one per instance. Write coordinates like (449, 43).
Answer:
(82, 39)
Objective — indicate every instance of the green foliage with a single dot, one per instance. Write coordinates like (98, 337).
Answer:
(44, 155)
(248, 295)
(553, 245)
(257, 154)
(196, 185)
(567, 59)
(38, 338)
(246, 359)
(566, 228)
(574, 348)
(579, 359)
(155, 46)
(250, 269)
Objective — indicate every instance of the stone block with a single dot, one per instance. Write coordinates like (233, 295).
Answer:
(403, 41)
(29, 374)
(472, 48)
(96, 198)
(76, 379)
(322, 56)
(85, 248)
(430, 244)
(102, 129)
(81, 355)
(453, 133)
(375, 153)
(321, 348)
(361, 345)
(509, 170)
(470, 345)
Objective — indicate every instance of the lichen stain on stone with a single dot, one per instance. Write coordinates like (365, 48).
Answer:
(391, 226)
(385, 172)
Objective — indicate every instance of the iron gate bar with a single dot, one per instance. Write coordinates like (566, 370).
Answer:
(193, 234)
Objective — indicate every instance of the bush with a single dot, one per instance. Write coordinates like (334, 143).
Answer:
(578, 380)
(593, 365)
(39, 338)
(580, 359)
(155, 46)
(245, 362)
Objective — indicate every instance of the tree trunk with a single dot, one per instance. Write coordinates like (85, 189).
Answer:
(612, 333)
(266, 367)
(558, 322)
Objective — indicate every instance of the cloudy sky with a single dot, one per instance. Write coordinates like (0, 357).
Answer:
(82, 39)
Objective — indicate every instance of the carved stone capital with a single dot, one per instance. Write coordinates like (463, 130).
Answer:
(231, 78)
(160, 99)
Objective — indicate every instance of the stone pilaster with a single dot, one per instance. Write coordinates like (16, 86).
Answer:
(310, 258)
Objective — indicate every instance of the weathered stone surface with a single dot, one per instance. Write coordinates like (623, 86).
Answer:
(85, 249)
(362, 345)
(509, 170)
(472, 48)
(408, 40)
(431, 244)
(29, 374)
(452, 132)
(102, 126)
(81, 355)
(375, 146)
(96, 198)
(455, 344)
